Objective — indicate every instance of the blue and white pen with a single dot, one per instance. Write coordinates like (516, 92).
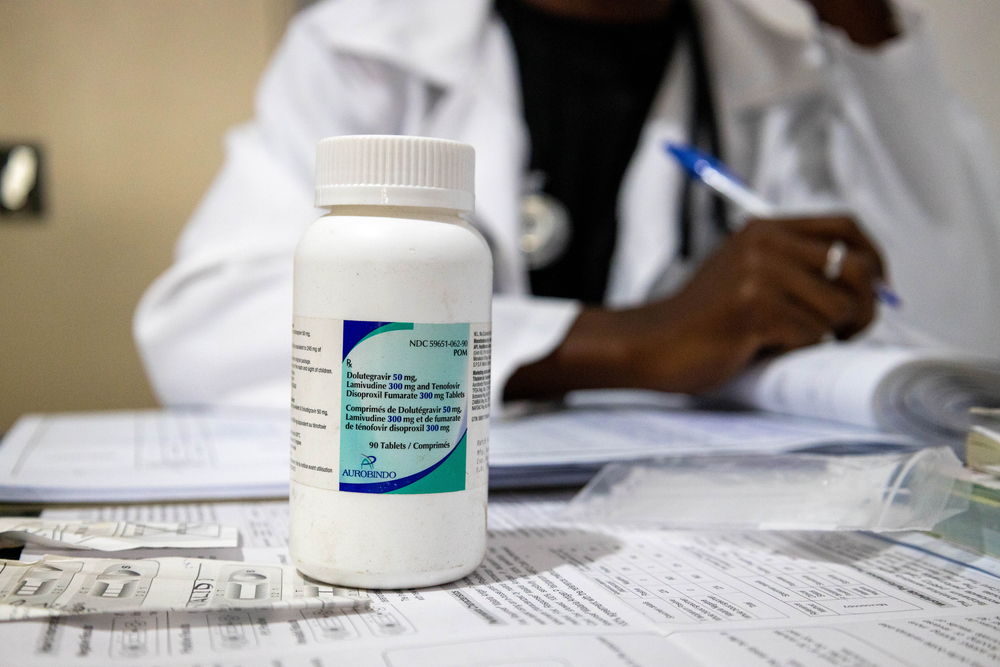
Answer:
(713, 173)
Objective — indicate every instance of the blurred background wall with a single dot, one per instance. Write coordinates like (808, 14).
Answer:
(129, 100)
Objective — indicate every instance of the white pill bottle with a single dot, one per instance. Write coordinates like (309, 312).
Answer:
(390, 367)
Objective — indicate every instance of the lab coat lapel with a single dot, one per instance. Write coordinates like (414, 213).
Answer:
(431, 38)
(472, 64)
(648, 201)
(760, 53)
(485, 110)
(471, 95)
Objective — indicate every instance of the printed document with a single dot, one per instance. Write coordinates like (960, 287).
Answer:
(570, 444)
(181, 455)
(925, 394)
(569, 593)
(145, 455)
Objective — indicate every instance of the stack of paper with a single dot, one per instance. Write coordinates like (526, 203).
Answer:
(922, 393)
(171, 455)
(569, 445)
(978, 527)
(982, 444)
(145, 455)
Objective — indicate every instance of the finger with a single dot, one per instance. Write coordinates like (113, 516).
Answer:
(864, 301)
(802, 254)
(828, 301)
(783, 325)
(776, 259)
(858, 270)
(826, 230)
(850, 299)
(856, 278)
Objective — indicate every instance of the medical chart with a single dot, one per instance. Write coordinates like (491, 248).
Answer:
(145, 455)
(152, 455)
(568, 593)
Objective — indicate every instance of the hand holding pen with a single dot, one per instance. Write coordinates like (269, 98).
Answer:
(774, 285)
(795, 279)
(710, 171)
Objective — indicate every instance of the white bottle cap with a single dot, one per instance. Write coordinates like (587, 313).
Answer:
(395, 171)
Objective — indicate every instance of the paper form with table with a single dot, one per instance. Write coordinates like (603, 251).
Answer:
(173, 455)
(869, 395)
(548, 591)
(156, 455)
(581, 594)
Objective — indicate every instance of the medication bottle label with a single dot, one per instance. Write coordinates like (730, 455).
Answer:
(411, 401)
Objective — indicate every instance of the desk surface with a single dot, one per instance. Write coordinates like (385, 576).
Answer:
(552, 593)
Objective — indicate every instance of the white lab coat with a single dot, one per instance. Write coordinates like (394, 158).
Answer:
(808, 118)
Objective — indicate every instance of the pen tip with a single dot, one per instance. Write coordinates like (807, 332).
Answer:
(683, 154)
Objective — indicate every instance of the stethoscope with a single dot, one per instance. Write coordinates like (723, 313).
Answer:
(546, 226)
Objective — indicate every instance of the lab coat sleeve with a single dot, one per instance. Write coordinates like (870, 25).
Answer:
(917, 167)
(215, 328)
(525, 329)
(907, 118)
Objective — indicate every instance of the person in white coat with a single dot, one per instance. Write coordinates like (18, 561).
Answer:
(821, 105)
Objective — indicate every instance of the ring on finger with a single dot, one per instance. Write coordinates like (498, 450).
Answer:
(835, 256)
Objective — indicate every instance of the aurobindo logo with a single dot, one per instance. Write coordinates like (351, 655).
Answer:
(367, 470)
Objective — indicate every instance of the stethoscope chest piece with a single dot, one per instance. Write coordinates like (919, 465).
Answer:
(545, 229)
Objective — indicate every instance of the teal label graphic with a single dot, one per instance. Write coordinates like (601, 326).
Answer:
(404, 399)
